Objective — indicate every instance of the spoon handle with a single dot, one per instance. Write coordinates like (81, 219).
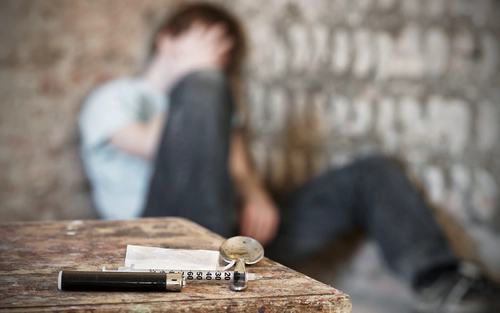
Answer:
(240, 281)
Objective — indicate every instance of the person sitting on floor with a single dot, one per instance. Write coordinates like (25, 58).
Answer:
(165, 143)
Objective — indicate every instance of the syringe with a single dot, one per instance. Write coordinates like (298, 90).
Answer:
(196, 275)
(119, 281)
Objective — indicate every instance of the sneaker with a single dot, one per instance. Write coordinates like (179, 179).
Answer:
(463, 291)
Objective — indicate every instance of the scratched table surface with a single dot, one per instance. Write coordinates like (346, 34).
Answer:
(33, 253)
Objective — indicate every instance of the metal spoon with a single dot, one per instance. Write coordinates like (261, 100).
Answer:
(240, 250)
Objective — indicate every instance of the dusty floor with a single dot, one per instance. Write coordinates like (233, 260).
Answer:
(356, 267)
(372, 287)
(362, 274)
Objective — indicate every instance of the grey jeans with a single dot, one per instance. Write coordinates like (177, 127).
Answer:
(191, 176)
(191, 180)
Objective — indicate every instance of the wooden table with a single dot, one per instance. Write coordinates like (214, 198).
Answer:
(32, 254)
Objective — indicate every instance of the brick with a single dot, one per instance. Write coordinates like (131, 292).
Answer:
(309, 11)
(363, 120)
(329, 114)
(300, 104)
(460, 186)
(300, 44)
(342, 51)
(277, 108)
(437, 52)
(414, 136)
(256, 102)
(462, 49)
(463, 42)
(319, 112)
(408, 60)
(434, 114)
(460, 177)
(364, 58)
(491, 56)
(457, 126)
(434, 181)
(487, 126)
(485, 194)
(410, 115)
(385, 124)
(320, 48)
(354, 19)
(279, 61)
(342, 109)
(385, 58)
(449, 124)
(455, 204)
(261, 37)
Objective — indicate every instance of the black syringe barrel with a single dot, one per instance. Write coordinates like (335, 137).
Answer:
(119, 281)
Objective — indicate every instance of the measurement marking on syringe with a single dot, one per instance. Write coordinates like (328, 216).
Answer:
(204, 275)
(197, 275)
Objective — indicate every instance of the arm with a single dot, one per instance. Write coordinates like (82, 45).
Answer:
(259, 216)
(140, 139)
(201, 47)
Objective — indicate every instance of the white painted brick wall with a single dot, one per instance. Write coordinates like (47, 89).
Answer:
(415, 78)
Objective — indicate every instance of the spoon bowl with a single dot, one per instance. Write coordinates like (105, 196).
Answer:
(241, 248)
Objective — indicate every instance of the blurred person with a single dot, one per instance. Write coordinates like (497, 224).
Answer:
(122, 121)
(170, 143)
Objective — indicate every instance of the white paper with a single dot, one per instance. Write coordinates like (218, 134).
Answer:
(139, 257)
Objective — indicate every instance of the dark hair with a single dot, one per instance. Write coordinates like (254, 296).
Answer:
(209, 14)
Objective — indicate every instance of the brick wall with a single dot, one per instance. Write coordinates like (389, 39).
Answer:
(418, 79)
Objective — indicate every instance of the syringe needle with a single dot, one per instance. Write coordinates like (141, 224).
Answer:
(253, 276)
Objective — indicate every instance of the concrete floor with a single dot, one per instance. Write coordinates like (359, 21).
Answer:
(372, 287)
(366, 279)
(355, 266)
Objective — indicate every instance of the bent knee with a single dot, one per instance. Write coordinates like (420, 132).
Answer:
(381, 165)
(208, 77)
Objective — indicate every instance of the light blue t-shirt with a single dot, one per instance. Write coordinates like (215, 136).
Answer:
(119, 180)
